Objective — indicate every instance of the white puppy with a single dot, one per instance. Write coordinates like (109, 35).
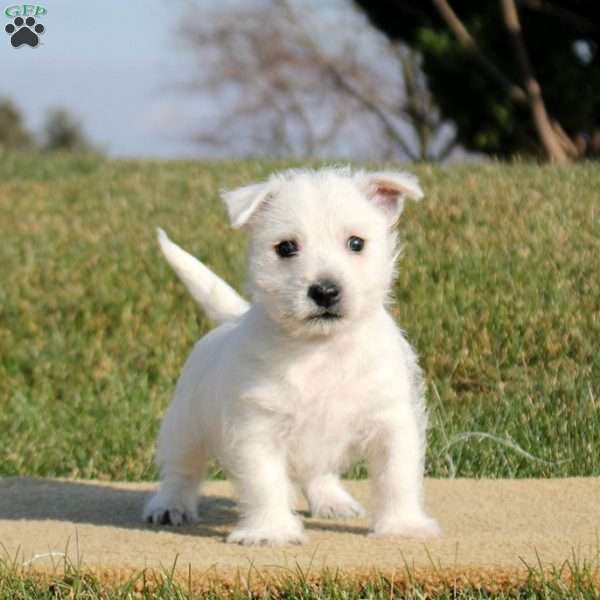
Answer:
(310, 377)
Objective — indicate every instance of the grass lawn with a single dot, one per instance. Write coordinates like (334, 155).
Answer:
(499, 291)
(572, 582)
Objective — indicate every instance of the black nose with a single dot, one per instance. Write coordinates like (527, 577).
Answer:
(325, 293)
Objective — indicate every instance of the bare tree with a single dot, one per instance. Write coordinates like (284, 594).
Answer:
(300, 78)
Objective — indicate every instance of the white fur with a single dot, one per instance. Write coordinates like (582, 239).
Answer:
(282, 398)
(220, 301)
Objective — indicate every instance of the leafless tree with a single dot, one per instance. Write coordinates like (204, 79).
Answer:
(301, 78)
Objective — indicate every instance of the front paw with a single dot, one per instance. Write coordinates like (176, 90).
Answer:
(162, 510)
(421, 527)
(338, 509)
(170, 516)
(272, 534)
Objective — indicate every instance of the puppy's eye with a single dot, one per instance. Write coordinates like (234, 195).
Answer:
(355, 243)
(287, 248)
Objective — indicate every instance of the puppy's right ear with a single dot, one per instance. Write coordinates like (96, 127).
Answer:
(243, 203)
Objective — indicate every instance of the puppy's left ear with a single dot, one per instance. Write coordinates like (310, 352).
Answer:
(388, 190)
(242, 203)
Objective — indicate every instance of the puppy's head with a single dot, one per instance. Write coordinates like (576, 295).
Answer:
(323, 243)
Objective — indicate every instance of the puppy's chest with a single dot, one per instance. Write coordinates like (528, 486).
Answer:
(319, 394)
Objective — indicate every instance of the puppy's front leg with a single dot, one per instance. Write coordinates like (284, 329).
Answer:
(396, 471)
(266, 497)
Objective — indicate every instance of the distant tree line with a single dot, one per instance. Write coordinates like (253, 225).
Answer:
(60, 132)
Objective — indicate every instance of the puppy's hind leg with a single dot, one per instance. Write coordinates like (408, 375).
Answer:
(328, 499)
(176, 502)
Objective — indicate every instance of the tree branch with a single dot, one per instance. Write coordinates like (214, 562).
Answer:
(554, 149)
(516, 93)
(366, 102)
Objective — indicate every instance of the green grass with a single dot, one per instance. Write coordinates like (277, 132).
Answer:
(499, 291)
(573, 580)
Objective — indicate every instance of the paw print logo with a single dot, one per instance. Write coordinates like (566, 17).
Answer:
(24, 32)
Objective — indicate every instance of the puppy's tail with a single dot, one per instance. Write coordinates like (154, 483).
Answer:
(219, 300)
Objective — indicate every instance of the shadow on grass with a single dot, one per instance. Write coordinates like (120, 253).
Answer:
(77, 502)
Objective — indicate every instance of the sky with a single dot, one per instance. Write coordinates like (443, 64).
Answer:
(116, 66)
(111, 63)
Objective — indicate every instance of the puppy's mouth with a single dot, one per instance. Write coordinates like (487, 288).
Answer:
(327, 315)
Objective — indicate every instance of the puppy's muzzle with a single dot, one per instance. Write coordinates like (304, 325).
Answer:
(325, 293)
